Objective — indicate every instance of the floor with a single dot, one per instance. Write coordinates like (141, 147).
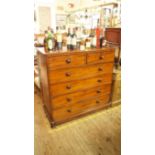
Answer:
(95, 134)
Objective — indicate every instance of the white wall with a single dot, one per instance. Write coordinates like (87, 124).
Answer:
(46, 3)
(53, 4)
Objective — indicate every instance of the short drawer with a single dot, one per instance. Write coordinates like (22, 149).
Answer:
(108, 56)
(77, 97)
(80, 108)
(69, 60)
(100, 57)
(70, 87)
(62, 75)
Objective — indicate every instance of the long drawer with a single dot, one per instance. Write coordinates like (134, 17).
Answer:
(77, 97)
(100, 57)
(68, 60)
(72, 86)
(69, 112)
(61, 75)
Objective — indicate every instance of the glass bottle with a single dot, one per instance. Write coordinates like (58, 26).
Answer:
(59, 39)
(73, 40)
(69, 39)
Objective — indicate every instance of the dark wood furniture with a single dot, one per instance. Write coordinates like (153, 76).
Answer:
(75, 83)
(113, 38)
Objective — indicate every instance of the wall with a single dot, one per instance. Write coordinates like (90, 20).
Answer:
(52, 6)
(56, 5)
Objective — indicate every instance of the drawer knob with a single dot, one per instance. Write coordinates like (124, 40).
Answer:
(68, 87)
(69, 110)
(98, 91)
(101, 57)
(68, 60)
(100, 69)
(68, 74)
(97, 102)
(99, 81)
(68, 99)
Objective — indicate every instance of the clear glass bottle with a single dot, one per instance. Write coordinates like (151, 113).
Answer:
(88, 43)
(59, 39)
(73, 40)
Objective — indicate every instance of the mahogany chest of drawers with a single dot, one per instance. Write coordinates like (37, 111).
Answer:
(75, 83)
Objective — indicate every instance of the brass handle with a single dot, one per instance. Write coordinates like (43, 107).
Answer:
(97, 102)
(68, 87)
(69, 110)
(68, 99)
(100, 69)
(101, 57)
(98, 91)
(68, 74)
(99, 81)
(68, 60)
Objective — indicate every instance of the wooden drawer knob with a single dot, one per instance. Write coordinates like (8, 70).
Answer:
(69, 110)
(68, 99)
(97, 102)
(68, 87)
(101, 57)
(99, 81)
(68, 74)
(98, 91)
(68, 60)
(100, 69)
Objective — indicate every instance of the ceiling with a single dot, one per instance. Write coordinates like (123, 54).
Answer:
(71, 5)
(63, 6)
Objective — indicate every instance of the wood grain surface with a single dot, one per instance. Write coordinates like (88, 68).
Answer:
(96, 134)
(68, 73)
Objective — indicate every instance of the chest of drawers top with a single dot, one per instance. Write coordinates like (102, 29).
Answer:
(57, 60)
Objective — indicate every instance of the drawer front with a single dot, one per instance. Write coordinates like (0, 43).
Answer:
(77, 97)
(55, 62)
(108, 56)
(94, 57)
(79, 108)
(100, 57)
(61, 75)
(69, 87)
